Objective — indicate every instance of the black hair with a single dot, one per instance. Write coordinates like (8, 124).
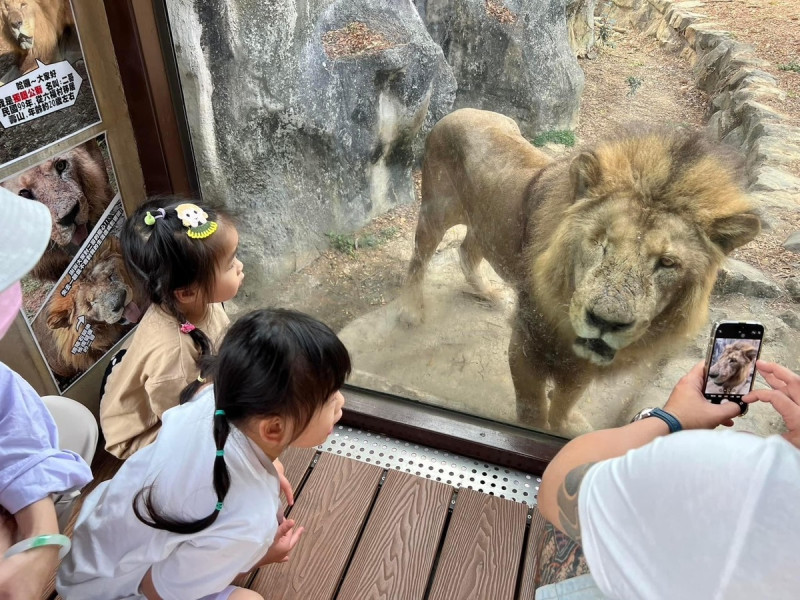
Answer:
(162, 256)
(272, 362)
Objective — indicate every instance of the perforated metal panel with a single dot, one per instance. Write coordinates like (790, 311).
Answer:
(431, 463)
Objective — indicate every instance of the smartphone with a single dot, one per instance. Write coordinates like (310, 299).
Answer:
(730, 370)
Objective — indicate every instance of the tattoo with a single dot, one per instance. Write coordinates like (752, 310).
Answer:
(568, 501)
(558, 557)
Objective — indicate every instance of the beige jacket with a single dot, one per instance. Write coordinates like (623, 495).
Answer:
(159, 363)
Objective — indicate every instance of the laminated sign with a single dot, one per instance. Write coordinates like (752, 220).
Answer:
(45, 90)
(46, 94)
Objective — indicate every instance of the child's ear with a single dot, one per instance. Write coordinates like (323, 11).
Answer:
(272, 430)
(186, 295)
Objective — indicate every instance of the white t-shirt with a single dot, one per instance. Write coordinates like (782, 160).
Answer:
(112, 550)
(704, 515)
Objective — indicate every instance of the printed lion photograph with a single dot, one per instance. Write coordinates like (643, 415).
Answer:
(77, 329)
(732, 366)
(612, 250)
(32, 30)
(75, 186)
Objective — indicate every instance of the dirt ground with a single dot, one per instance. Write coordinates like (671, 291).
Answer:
(632, 80)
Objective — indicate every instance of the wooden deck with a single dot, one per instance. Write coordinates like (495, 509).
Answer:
(373, 533)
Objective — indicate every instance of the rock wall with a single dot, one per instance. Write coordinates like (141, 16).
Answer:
(512, 57)
(307, 116)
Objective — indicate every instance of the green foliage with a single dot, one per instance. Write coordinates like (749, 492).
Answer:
(792, 66)
(350, 243)
(605, 27)
(634, 83)
(563, 137)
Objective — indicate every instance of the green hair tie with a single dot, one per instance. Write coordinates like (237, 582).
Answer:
(220, 413)
(220, 452)
(218, 507)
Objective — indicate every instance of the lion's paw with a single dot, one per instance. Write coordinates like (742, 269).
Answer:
(410, 316)
(574, 425)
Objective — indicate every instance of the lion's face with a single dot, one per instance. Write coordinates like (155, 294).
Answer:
(733, 365)
(629, 266)
(636, 252)
(18, 17)
(56, 184)
(103, 292)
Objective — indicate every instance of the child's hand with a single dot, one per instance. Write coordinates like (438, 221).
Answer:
(286, 487)
(286, 539)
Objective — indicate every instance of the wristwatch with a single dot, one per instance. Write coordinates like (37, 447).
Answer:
(673, 423)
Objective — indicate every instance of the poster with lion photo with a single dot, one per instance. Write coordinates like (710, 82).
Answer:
(92, 306)
(79, 299)
(45, 92)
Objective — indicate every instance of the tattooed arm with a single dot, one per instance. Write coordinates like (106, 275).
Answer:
(558, 557)
(561, 481)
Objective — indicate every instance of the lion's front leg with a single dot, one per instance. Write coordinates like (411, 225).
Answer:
(569, 384)
(529, 381)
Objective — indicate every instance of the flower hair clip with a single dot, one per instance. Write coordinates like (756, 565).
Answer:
(150, 218)
(187, 327)
(195, 219)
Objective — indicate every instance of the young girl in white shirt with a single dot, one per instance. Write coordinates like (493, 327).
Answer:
(186, 514)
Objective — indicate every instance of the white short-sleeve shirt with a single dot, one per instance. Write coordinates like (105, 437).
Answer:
(112, 550)
(704, 515)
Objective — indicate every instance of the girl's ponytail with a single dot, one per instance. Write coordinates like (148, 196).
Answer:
(222, 483)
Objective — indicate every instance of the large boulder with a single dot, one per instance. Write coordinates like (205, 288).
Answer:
(306, 117)
(512, 57)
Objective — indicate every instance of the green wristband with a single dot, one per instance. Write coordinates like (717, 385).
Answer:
(54, 539)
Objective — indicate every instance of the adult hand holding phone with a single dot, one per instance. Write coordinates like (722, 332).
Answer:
(688, 404)
(784, 396)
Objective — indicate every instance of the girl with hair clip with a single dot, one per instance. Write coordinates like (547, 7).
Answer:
(186, 514)
(184, 255)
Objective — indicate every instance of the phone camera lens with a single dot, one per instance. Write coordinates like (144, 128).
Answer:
(742, 335)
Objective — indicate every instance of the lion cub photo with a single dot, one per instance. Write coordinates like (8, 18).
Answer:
(612, 251)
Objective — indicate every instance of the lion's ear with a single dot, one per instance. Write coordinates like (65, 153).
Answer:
(750, 353)
(584, 173)
(59, 313)
(731, 232)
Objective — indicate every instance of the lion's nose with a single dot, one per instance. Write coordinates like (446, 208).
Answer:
(605, 325)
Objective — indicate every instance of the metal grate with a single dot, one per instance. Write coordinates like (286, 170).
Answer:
(434, 464)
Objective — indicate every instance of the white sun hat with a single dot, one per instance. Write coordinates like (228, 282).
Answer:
(24, 239)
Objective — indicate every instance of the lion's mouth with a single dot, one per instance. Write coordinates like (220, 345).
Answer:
(598, 347)
(131, 314)
(25, 41)
(79, 235)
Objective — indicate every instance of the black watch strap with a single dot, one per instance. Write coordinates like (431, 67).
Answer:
(673, 423)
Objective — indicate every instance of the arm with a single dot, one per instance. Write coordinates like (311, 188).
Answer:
(26, 575)
(558, 493)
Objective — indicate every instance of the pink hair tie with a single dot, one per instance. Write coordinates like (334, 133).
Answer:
(187, 327)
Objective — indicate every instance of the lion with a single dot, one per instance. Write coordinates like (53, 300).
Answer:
(730, 374)
(33, 29)
(612, 251)
(103, 298)
(74, 186)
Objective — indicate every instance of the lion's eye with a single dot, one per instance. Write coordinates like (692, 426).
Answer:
(60, 165)
(26, 193)
(667, 263)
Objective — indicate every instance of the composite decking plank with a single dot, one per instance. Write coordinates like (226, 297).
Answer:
(295, 464)
(399, 543)
(482, 549)
(332, 508)
(527, 588)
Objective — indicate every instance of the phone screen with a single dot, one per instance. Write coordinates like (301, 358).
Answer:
(732, 364)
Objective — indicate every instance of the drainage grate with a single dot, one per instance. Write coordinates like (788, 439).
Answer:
(452, 469)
